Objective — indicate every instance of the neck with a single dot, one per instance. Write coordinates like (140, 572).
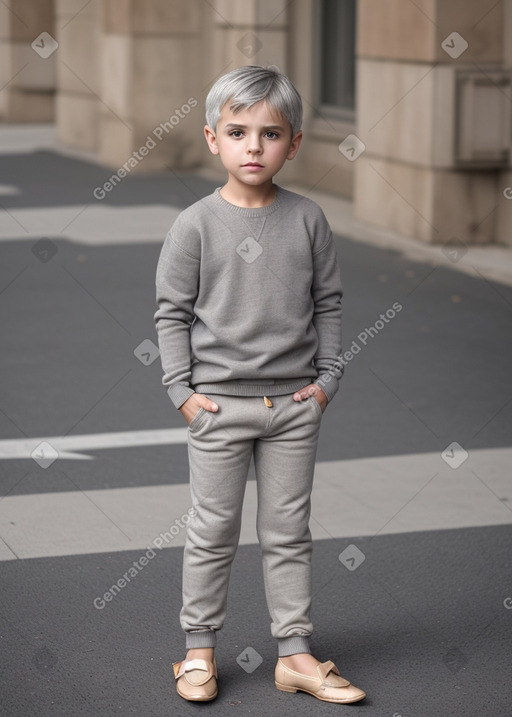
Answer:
(243, 195)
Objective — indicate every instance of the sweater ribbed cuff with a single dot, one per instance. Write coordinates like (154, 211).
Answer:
(179, 393)
(328, 383)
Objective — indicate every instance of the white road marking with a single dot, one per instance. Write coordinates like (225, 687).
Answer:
(97, 224)
(67, 446)
(362, 497)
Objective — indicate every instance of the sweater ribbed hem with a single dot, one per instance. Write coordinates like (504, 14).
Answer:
(200, 638)
(179, 393)
(293, 644)
(235, 388)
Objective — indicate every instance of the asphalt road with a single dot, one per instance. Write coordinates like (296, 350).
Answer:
(423, 624)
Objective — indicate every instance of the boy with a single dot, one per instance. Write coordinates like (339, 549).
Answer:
(249, 329)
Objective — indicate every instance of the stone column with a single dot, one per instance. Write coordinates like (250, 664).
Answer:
(78, 73)
(504, 213)
(27, 61)
(406, 178)
(150, 113)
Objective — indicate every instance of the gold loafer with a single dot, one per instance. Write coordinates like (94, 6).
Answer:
(329, 686)
(196, 679)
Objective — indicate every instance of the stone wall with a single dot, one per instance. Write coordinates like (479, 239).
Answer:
(407, 179)
(27, 61)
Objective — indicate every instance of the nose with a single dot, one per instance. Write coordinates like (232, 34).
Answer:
(254, 144)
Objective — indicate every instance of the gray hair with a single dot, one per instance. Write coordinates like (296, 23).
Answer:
(246, 86)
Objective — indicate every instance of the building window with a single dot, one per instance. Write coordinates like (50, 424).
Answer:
(336, 67)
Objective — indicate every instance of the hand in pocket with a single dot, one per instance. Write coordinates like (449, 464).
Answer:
(315, 391)
(192, 405)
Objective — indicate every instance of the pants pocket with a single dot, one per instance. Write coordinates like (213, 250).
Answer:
(196, 421)
(316, 406)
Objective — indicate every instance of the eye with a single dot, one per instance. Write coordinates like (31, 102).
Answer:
(276, 136)
(239, 131)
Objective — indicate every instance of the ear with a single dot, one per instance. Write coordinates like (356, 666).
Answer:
(211, 139)
(294, 145)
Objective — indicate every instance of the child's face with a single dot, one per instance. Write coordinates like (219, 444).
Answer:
(258, 134)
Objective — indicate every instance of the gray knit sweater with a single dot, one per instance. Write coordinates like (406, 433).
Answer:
(249, 300)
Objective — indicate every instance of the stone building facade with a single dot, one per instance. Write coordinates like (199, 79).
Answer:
(407, 105)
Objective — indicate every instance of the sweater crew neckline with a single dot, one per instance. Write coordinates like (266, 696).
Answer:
(249, 211)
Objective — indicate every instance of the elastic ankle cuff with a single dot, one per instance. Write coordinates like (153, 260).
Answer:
(291, 645)
(200, 638)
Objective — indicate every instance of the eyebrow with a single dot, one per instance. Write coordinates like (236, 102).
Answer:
(231, 125)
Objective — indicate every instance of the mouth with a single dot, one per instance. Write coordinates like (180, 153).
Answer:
(252, 164)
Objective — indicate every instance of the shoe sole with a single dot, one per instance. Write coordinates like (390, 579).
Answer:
(289, 688)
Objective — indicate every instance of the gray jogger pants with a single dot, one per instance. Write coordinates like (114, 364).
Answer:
(283, 439)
